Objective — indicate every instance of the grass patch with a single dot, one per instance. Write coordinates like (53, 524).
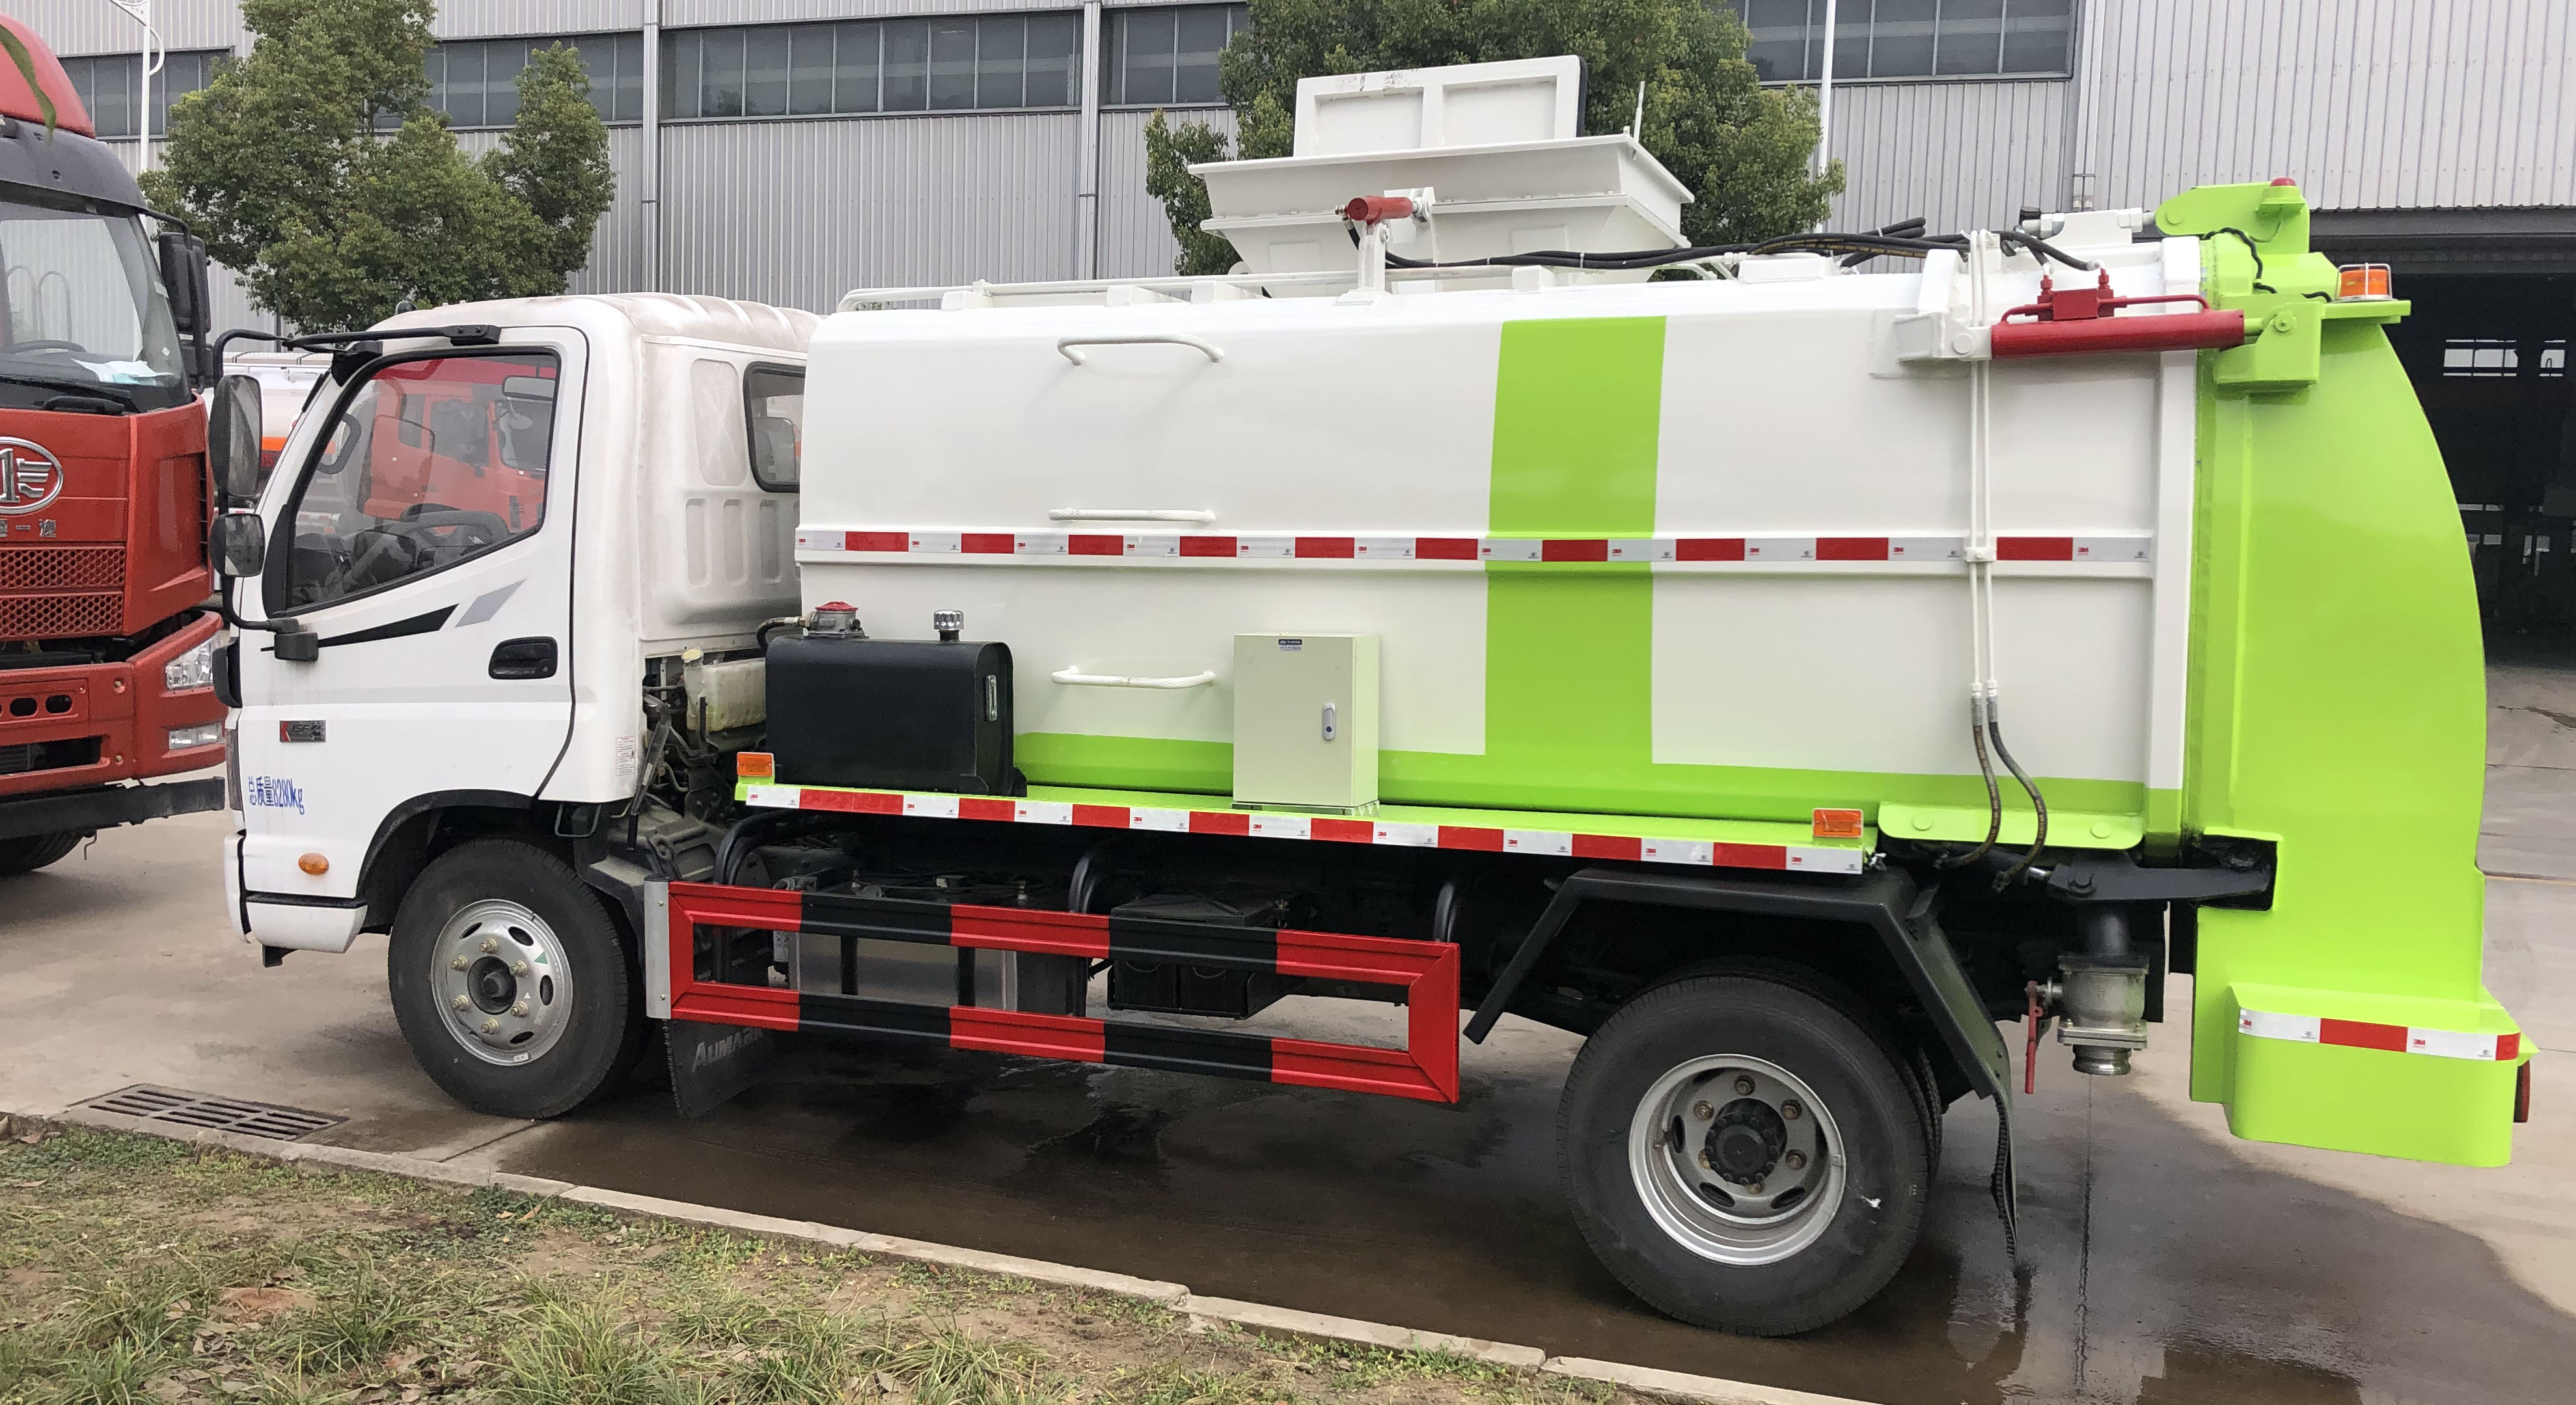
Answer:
(143, 1271)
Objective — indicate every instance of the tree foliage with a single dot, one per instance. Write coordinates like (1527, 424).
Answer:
(1742, 148)
(316, 170)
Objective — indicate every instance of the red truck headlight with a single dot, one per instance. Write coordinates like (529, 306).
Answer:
(193, 669)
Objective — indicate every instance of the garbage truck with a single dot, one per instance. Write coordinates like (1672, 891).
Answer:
(1787, 676)
(106, 646)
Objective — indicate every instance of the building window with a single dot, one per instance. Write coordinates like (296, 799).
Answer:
(1150, 58)
(476, 82)
(2495, 358)
(1908, 38)
(106, 85)
(994, 63)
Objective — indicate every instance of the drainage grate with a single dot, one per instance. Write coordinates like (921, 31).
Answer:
(283, 1124)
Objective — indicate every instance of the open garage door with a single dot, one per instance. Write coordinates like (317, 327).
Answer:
(2494, 294)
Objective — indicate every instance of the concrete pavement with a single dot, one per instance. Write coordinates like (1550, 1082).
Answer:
(2163, 1261)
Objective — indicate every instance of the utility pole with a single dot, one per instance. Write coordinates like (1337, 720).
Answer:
(152, 56)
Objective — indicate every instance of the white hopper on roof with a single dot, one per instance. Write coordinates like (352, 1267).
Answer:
(1496, 145)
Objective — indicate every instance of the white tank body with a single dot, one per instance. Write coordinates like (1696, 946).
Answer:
(1680, 548)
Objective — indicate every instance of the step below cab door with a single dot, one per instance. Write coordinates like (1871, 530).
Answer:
(425, 533)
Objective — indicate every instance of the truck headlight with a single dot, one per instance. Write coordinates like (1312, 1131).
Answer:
(203, 734)
(193, 669)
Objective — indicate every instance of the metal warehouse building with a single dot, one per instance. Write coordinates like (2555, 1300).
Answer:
(786, 150)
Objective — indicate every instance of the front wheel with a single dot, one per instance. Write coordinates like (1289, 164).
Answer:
(510, 982)
(1744, 1155)
(28, 853)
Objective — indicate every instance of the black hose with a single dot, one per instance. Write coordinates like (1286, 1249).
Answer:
(730, 848)
(2041, 249)
(1994, 796)
(2039, 835)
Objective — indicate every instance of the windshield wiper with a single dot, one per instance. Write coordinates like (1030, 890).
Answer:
(105, 389)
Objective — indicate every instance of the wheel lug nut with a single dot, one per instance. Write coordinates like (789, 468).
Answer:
(1703, 1111)
(520, 1009)
(459, 1003)
(489, 946)
(1743, 1086)
(458, 964)
(1703, 1162)
(518, 968)
(1754, 1189)
(1790, 1109)
(491, 1026)
(1796, 1160)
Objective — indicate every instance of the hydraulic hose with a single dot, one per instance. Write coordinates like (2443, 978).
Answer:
(1979, 719)
(2038, 805)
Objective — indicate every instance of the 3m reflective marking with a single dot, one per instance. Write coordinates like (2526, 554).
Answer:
(1842, 551)
(1699, 853)
(2388, 1038)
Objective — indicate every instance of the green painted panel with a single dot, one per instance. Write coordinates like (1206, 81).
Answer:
(2337, 704)
(1578, 415)
(1445, 778)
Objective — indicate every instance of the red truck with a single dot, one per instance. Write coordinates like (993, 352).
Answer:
(106, 638)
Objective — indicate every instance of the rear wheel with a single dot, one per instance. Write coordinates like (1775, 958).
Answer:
(510, 982)
(28, 853)
(1744, 1155)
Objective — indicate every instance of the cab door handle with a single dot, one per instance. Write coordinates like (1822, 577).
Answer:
(523, 658)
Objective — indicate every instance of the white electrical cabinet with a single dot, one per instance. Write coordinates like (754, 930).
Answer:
(1305, 721)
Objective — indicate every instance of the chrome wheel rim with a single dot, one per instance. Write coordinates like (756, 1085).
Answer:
(1737, 1159)
(504, 986)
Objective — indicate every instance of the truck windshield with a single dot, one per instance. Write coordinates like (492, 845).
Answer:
(86, 313)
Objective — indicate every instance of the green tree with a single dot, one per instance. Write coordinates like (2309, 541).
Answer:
(316, 170)
(1742, 148)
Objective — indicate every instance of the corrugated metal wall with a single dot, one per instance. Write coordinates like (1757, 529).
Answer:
(1135, 236)
(1962, 155)
(798, 213)
(2370, 104)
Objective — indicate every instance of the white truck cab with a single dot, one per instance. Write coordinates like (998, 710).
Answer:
(495, 520)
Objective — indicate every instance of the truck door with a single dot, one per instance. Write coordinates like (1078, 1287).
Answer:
(424, 531)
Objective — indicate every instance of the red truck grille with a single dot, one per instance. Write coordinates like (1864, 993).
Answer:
(62, 568)
(60, 592)
(60, 616)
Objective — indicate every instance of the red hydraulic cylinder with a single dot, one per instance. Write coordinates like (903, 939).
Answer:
(2206, 330)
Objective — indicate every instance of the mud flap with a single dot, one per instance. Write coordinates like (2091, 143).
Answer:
(2007, 1190)
(712, 1062)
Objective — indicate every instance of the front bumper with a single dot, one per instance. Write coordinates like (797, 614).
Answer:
(91, 725)
(108, 806)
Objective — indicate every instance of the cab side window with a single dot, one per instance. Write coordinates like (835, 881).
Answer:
(434, 460)
(773, 411)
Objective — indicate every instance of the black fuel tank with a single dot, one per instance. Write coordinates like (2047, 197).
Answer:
(892, 714)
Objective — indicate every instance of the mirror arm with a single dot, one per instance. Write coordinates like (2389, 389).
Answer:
(296, 642)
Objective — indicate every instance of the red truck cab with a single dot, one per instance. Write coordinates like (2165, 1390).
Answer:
(106, 641)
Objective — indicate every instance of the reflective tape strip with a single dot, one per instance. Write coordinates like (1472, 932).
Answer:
(2391, 1038)
(1260, 824)
(2113, 548)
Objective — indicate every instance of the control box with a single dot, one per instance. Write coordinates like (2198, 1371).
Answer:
(1305, 721)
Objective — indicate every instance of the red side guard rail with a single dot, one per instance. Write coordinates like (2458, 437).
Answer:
(1427, 1068)
(2076, 321)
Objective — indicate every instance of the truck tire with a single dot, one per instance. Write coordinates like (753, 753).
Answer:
(30, 852)
(510, 982)
(1796, 1184)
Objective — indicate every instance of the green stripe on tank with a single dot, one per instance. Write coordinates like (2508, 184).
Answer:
(1569, 651)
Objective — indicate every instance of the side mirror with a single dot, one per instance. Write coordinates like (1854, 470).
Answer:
(232, 438)
(183, 272)
(237, 542)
